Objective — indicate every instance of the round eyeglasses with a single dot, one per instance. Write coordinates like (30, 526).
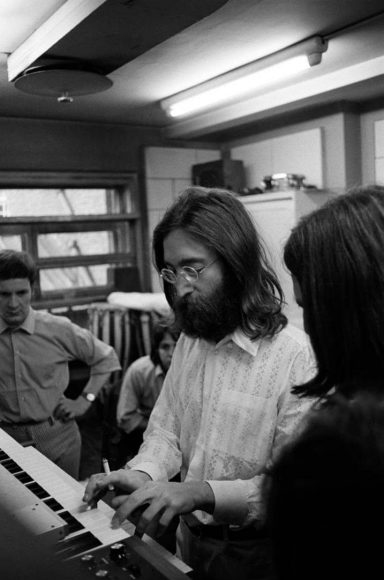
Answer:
(187, 272)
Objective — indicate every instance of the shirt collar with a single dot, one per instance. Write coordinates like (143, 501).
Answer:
(158, 371)
(242, 341)
(28, 324)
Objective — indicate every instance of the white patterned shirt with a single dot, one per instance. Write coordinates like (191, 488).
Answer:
(223, 415)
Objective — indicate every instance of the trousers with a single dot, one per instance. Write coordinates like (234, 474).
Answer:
(58, 441)
(217, 559)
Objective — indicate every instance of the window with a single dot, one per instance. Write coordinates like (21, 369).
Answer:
(76, 234)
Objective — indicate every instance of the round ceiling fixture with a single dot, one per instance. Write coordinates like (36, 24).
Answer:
(62, 81)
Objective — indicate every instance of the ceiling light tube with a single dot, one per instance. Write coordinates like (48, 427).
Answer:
(247, 79)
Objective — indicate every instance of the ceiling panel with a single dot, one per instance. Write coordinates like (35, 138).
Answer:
(154, 49)
(121, 30)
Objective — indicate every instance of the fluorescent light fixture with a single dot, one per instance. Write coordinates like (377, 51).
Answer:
(239, 87)
(247, 79)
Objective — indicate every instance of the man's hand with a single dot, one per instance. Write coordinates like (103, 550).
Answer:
(69, 409)
(153, 506)
(124, 480)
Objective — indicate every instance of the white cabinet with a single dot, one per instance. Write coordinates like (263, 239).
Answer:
(275, 214)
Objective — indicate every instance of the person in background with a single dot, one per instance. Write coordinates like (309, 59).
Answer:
(35, 349)
(141, 388)
(226, 407)
(325, 494)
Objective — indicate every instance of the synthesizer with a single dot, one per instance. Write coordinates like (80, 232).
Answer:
(47, 502)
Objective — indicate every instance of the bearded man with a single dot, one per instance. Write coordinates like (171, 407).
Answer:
(226, 408)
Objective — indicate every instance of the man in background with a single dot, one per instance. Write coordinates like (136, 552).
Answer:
(35, 349)
(141, 387)
(226, 407)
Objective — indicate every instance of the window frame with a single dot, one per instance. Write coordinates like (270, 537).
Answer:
(126, 225)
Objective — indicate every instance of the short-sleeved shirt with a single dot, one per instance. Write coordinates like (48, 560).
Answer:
(34, 361)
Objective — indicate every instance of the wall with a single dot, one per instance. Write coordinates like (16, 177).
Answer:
(29, 144)
(337, 160)
(44, 145)
(299, 153)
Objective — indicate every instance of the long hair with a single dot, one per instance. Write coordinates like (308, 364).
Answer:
(337, 256)
(158, 333)
(221, 223)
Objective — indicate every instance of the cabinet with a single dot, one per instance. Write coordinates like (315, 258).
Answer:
(274, 215)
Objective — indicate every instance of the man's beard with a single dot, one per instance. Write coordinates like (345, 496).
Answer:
(211, 317)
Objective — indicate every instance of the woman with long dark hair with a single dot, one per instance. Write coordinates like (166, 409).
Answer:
(336, 257)
(325, 494)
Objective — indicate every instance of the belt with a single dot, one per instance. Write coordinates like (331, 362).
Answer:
(227, 533)
(49, 420)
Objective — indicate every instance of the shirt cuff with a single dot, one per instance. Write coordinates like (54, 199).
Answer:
(150, 468)
(231, 501)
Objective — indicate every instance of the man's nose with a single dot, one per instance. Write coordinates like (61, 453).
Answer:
(13, 301)
(183, 287)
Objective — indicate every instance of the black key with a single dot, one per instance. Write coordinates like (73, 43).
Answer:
(37, 490)
(11, 466)
(73, 525)
(3, 455)
(23, 477)
(52, 503)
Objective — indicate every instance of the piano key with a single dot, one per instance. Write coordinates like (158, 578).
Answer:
(23, 477)
(73, 525)
(11, 465)
(53, 504)
(39, 491)
(3, 455)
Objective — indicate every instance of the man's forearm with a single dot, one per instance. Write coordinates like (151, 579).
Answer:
(96, 382)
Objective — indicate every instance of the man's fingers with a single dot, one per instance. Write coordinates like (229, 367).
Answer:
(96, 487)
(164, 522)
(128, 508)
(150, 515)
(149, 521)
(118, 500)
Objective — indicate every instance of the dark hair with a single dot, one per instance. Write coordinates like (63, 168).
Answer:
(158, 332)
(14, 264)
(325, 501)
(337, 256)
(217, 219)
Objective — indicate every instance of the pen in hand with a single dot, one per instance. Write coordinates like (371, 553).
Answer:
(107, 471)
